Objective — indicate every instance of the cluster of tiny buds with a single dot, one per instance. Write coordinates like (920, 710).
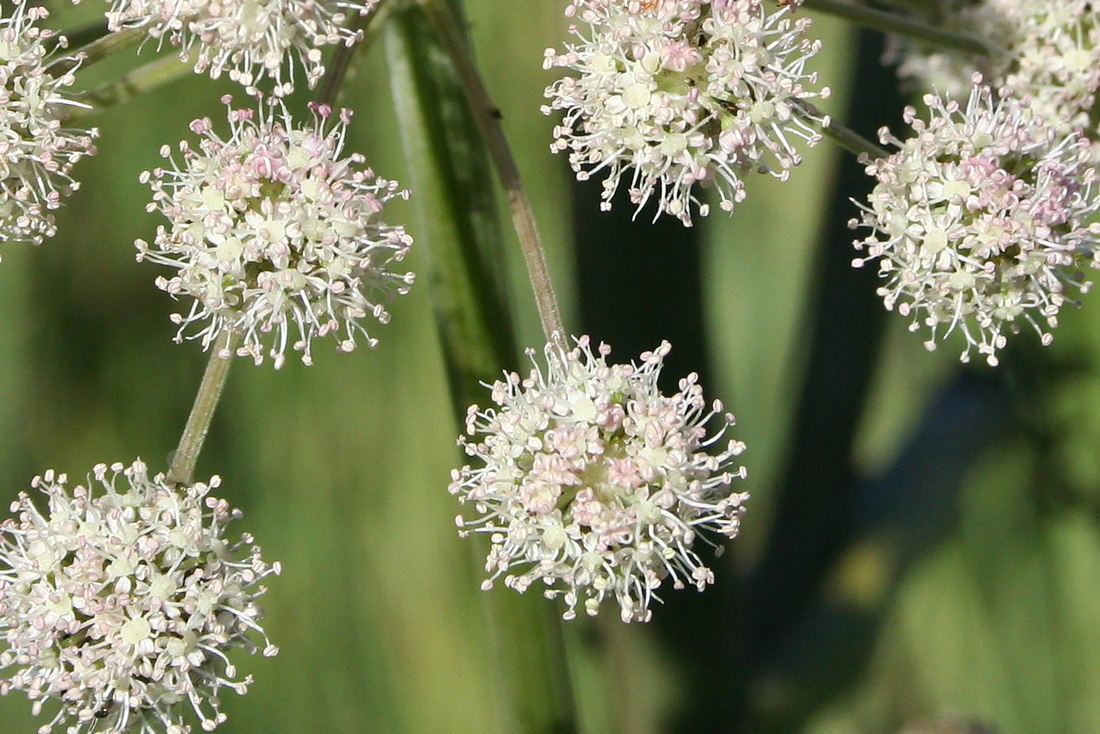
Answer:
(248, 39)
(121, 606)
(37, 152)
(683, 94)
(984, 218)
(272, 230)
(594, 483)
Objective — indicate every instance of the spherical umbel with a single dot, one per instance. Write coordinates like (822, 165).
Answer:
(592, 482)
(121, 601)
(982, 220)
(250, 40)
(37, 151)
(276, 237)
(1045, 50)
(680, 94)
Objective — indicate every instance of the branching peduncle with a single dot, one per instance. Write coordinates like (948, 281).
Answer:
(135, 83)
(887, 22)
(843, 136)
(98, 49)
(341, 59)
(488, 119)
(852, 141)
(202, 412)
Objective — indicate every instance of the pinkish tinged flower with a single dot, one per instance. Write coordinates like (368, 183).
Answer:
(272, 231)
(1048, 50)
(37, 153)
(980, 221)
(250, 39)
(594, 483)
(122, 607)
(677, 94)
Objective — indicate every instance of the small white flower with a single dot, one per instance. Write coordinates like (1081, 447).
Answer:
(122, 607)
(37, 153)
(1051, 53)
(981, 220)
(271, 230)
(594, 483)
(683, 93)
(248, 38)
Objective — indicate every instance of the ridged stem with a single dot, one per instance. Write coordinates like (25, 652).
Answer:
(202, 412)
(338, 67)
(852, 141)
(887, 22)
(488, 118)
(135, 83)
(102, 47)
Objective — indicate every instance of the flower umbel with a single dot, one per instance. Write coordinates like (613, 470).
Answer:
(1051, 53)
(123, 606)
(248, 38)
(272, 229)
(981, 220)
(683, 93)
(596, 484)
(37, 153)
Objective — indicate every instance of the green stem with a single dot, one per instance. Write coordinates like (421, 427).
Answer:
(458, 227)
(843, 136)
(82, 36)
(143, 79)
(887, 22)
(461, 245)
(202, 412)
(99, 49)
(341, 59)
(488, 118)
(369, 24)
(852, 141)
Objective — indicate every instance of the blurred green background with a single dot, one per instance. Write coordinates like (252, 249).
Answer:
(937, 552)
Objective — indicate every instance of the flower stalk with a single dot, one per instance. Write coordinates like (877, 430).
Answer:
(488, 117)
(887, 22)
(459, 232)
(186, 455)
(217, 370)
(459, 237)
(851, 141)
(144, 79)
(99, 49)
(366, 25)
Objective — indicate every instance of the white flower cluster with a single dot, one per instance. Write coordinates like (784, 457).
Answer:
(981, 220)
(271, 229)
(1051, 54)
(248, 38)
(37, 153)
(595, 483)
(683, 93)
(123, 606)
